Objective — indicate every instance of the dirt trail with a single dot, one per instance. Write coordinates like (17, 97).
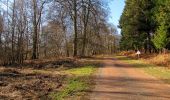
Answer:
(119, 81)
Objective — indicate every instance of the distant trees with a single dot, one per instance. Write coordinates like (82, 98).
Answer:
(32, 29)
(145, 26)
(89, 25)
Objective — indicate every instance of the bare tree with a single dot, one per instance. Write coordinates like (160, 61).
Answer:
(36, 21)
(31, 30)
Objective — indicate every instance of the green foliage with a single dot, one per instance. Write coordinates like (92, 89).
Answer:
(142, 17)
(161, 39)
(135, 22)
(161, 15)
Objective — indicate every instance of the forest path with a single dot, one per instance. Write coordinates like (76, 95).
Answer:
(119, 81)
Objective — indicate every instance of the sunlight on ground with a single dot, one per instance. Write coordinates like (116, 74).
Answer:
(156, 71)
(82, 71)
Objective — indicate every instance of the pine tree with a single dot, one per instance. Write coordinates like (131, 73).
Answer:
(161, 16)
(136, 24)
(161, 39)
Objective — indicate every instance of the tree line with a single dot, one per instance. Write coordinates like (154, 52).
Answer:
(145, 25)
(33, 29)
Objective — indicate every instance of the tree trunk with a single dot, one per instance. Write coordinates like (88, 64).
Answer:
(1, 30)
(75, 28)
(35, 34)
(85, 22)
(13, 32)
(149, 43)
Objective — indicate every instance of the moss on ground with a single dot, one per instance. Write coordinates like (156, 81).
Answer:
(76, 85)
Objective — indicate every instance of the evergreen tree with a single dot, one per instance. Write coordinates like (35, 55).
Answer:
(161, 39)
(135, 23)
(161, 16)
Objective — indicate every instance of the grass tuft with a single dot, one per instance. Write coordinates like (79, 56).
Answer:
(74, 86)
(82, 71)
(77, 84)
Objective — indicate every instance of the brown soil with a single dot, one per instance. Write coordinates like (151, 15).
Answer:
(15, 85)
(34, 80)
(119, 81)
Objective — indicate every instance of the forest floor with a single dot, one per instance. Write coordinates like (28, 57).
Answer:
(122, 78)
(47, 79)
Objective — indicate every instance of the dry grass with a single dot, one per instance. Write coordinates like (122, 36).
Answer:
(17, 85)
(157, 59)
(161, 60)
(127, 53)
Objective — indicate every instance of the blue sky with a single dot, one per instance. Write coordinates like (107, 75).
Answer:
(116, 7)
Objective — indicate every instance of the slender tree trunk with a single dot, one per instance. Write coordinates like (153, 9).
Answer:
(13, 32)
(6, 36)
(45, 45)
(27, 41)
(35, 34)
(85, 22)
(75, 28)
(114, 45)
(27, 44)
(149, 43)
(38, 36)
(0, 41)
(66, 41)
(1, 30)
